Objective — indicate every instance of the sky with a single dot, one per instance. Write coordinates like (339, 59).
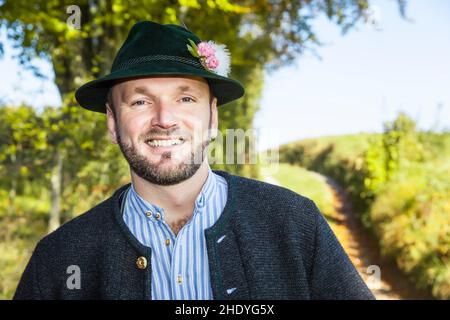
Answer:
(362, 79)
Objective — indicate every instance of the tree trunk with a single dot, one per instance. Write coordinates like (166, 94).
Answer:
(12, 197)
(55, 182)
(13, 188)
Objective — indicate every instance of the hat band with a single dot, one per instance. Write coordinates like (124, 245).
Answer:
(138, 60)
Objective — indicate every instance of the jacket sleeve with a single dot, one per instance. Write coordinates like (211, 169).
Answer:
(35, 274)
(333, 275)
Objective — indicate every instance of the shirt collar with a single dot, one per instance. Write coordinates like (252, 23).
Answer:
(207, 190)
(205, 195)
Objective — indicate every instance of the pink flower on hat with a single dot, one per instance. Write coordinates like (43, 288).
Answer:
(205, 49)
(213, 57)
(212, 62)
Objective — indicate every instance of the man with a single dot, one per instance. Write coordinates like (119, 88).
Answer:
(181, 230)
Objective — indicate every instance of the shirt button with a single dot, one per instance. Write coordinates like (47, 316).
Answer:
(180, 279)
(167, 242)
(157, 216)
(141, 263)
(148, 213)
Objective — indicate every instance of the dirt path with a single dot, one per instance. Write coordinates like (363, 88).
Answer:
(363, 250)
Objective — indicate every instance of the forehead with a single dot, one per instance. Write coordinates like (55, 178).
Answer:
(162, 83)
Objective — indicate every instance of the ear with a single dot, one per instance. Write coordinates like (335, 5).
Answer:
(214, 119)
(111, 123)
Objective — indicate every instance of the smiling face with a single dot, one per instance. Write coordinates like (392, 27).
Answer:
(163, 125)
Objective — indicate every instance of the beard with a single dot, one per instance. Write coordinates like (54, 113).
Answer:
(154, 172)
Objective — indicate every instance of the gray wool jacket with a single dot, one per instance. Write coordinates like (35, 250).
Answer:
(277, 245)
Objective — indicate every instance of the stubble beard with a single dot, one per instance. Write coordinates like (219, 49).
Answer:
(154, 172)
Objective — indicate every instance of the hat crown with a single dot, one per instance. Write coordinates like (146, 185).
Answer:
(153, 49)
(151, 39)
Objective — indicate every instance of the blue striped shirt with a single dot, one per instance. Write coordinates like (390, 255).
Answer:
(180, 269)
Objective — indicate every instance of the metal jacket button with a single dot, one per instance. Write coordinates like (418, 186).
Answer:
(141, 263)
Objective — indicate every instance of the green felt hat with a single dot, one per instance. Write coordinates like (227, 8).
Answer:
(153, 49)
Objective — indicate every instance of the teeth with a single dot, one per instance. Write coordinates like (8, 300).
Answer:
(164, 143)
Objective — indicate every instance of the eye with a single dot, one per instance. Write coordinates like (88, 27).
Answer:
(187, 99)
(139, 103)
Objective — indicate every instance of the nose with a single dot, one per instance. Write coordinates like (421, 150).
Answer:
(164, 116)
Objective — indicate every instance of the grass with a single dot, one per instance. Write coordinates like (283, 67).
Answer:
(305, 183)
(18, 237)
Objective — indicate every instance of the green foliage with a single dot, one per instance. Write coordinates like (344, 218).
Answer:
(411, 217)
(399, 147)
(376, 175)
(399, 182)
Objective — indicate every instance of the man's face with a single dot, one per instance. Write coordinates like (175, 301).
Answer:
(163, 125)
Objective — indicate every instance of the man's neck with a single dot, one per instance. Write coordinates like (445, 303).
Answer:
(176, 200)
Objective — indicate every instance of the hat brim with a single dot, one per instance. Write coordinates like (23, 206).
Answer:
(93, 95)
